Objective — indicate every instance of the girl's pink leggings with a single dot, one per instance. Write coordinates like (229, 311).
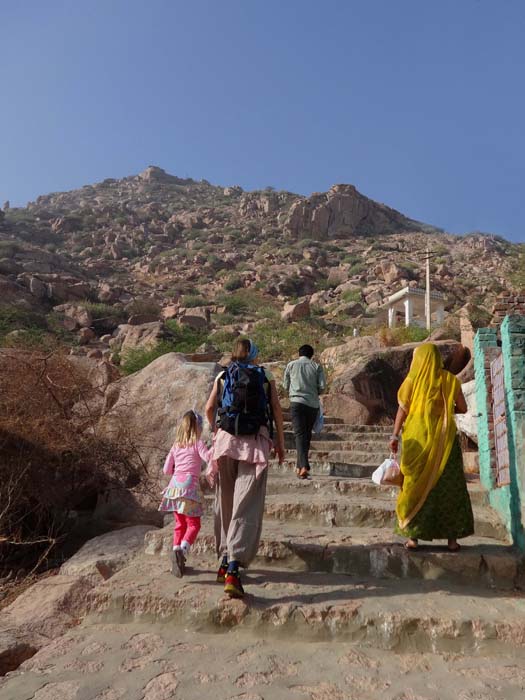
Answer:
(186, 528)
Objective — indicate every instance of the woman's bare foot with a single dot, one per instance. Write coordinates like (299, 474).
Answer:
(453, 546)
(411, 544)
(303, 473)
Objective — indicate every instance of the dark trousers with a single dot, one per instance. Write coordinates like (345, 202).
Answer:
(303, 419)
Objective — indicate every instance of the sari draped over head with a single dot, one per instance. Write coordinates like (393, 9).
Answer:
(427, 396)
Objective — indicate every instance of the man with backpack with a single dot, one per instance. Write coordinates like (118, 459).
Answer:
(304, 380)
(243, 410)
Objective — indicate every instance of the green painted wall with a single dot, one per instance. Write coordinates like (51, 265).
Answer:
(508, 501)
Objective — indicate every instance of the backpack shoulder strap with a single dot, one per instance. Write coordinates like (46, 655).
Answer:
(220, 384)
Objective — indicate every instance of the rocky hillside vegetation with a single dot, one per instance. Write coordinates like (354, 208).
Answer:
(127, 269)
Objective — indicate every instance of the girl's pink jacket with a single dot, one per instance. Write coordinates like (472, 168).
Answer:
(183, 462)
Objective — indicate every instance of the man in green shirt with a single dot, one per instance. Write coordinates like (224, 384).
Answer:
(304, 380)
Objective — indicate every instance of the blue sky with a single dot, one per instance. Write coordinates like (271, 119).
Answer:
(419, 103)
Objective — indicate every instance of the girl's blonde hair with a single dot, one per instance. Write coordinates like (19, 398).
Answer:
(187, 430)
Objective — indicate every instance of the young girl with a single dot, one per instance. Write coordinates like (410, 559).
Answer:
(183, 496)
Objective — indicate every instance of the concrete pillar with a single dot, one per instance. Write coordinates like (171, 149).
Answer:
(391, 316)
(408, 311)
(485, 349)
(440, 314)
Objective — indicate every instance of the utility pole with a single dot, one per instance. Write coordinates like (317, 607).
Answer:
(427, 290)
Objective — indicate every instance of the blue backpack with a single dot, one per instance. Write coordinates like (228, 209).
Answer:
(244, 404)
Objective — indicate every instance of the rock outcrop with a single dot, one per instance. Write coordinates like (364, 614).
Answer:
(144, 409)
(340, 213)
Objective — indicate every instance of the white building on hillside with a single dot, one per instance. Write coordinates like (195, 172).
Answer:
(407, 306)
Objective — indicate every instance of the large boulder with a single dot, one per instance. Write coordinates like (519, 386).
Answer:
(143, 410)
(349, 409)
(145, 335)
(363, 371)
(296, 312)
(106, 554)
(41, 613)
(77, 313)
(394, 273)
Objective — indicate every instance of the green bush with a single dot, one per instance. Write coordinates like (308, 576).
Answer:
(232, 283)
(356, 269)
(351, 295)
(280, 341)
(38, 332)
(99, 311)
(143, 307)
(185, 339)
(138, 358)
(402, 334)
(191, 301)
(246, 301)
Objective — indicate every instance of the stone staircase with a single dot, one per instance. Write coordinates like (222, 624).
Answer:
(341, 449)
(423, 625)
(330, 567)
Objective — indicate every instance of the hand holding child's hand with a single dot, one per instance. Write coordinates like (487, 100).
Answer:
(210, 478)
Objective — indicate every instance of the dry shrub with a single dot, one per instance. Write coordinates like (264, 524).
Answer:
(51, 458)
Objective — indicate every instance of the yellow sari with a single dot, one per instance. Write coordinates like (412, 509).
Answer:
(427, 396)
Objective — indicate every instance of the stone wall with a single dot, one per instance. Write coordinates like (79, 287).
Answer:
(507, 500)
(508, 303)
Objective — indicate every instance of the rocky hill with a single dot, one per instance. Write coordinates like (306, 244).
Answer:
(219, 260)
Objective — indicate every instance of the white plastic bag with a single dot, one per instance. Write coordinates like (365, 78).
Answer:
(319, 421)
(388, 473)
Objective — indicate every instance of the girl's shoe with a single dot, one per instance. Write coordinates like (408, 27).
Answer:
(178, 563)
(233, 586)
(222, 571)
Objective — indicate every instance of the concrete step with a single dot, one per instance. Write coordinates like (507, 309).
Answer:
(284, 482)
(405, 615)
(373, 552)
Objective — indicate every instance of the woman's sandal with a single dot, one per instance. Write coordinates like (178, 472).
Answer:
(303, 473)
(411, 546)
(454, 548)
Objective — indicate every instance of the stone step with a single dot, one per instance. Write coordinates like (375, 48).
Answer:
(137, 660)
(328, 420)
(327, 467)
(342, 445)
(364, 491)
(366, 551)
(283, 482)
(338, 428)
(343, 456)
(354, 511)
(422, 616)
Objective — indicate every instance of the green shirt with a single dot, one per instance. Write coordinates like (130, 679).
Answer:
(304, 380)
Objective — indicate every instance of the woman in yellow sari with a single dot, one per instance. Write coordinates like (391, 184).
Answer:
(433, 502)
